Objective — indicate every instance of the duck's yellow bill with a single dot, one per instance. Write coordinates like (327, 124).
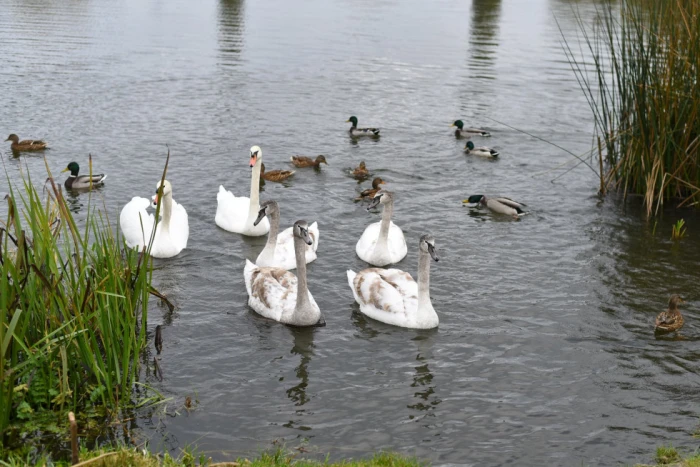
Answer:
(65, 170)
(452, 125)
(347, 121)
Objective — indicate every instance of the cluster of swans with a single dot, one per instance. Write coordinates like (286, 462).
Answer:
(387, 295)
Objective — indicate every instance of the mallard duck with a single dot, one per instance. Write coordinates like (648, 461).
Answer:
(237, 213)
(499, 204)
(275, 175)
(463, 131)
(354, 131)
(393, 297)
(670, 320)
(360, 172)
(481, 151)
(303, 161)
(370, 192)
(27, 144)
(76, 182)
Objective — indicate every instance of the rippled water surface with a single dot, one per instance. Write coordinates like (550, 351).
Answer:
(545, 353)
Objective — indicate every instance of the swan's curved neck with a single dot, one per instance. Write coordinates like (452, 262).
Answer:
(303, 305)
(272, 234)
(386, 221)
(424, 279)
(167, 206)
(255, 189)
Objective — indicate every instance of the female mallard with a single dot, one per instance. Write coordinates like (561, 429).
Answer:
(500, 204)
(463, 131)
(360, 172)
(26, 145)
(481, 151)
(354, 131)
(670, 320)
(370, 192)
(275, 175)
(303, 161)
(77, 182)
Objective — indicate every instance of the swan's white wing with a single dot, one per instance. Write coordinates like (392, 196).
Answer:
(232, 211)
(284, 250)
(397, 243)
(365, 245)
(131, 219)
(179, 226)
(384, 294)
(272, 292)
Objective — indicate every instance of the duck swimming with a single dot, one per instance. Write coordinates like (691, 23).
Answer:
(481, 151)
(354, 131)
(370, 192)
(77, 182)
(499, 204)
(303, 161)
(670, 320)
(465, 131)
(275, 175)
(26, 144)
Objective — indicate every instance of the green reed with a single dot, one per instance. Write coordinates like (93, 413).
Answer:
(643, 89)
(73, 310)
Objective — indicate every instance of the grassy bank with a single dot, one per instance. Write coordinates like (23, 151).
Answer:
(277, 458)
(668, 456)
(644, 92)
(73, 313)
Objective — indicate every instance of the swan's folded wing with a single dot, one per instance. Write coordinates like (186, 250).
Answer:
(375, 291)
(366, 243)
(179, 225)
(231, 211)
(272, 291)
(135, 222)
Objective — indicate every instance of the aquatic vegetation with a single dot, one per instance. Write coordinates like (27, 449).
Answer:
(73, 314)
(644, 93)
(679, 230)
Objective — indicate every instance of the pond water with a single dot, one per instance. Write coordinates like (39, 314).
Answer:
(545, 354)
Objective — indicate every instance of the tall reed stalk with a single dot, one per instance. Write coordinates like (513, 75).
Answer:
(73, 309)
(644, 92)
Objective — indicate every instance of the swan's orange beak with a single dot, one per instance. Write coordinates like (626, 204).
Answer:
(155, 199)
(253, 160)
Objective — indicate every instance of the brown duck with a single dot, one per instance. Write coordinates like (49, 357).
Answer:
(370, 192)
(303, 161)
(670, 320)
(360, 172)
(27, 144)
(275, 175)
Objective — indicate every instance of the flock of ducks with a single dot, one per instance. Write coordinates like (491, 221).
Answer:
(388, 295)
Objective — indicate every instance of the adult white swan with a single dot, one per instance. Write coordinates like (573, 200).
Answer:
(278, 294)
(393, 297)
(279, 249)
(237, 214)
(172, 231)
(382, 242)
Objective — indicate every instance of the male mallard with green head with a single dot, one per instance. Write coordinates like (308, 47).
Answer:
(76, 182)
(354, 131)
(481, 151)
(303, 161)
(275, 175)
(27, 144)
(500, 204)
(465, 131)
(670, 320)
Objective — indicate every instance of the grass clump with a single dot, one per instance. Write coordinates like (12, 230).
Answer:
(678, 230)
(644, 93)
(73, 313)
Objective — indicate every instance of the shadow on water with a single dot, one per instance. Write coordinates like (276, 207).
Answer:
(231, 16)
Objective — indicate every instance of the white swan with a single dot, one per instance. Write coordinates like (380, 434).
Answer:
(279, 249)
(278, 294)
(382, 242)
(393, 297)
(237, 214)
(172, 231)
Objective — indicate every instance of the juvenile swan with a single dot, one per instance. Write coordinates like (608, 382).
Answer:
(237, 214)
(393, 297)
(278, 294)
(382, 242)
(172, 232)
(279, 249)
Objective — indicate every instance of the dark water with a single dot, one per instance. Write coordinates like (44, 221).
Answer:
(545, 352)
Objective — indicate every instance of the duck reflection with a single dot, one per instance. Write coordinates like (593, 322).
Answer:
(231, 19)
(426, 400)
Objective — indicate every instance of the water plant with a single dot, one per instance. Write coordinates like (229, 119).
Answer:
(644, 93)
(73, 311)
(679, 229)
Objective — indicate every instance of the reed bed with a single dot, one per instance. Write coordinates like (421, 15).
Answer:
(73, 311)
(642, 87)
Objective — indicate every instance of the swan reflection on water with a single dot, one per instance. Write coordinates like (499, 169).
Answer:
(304, 348)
